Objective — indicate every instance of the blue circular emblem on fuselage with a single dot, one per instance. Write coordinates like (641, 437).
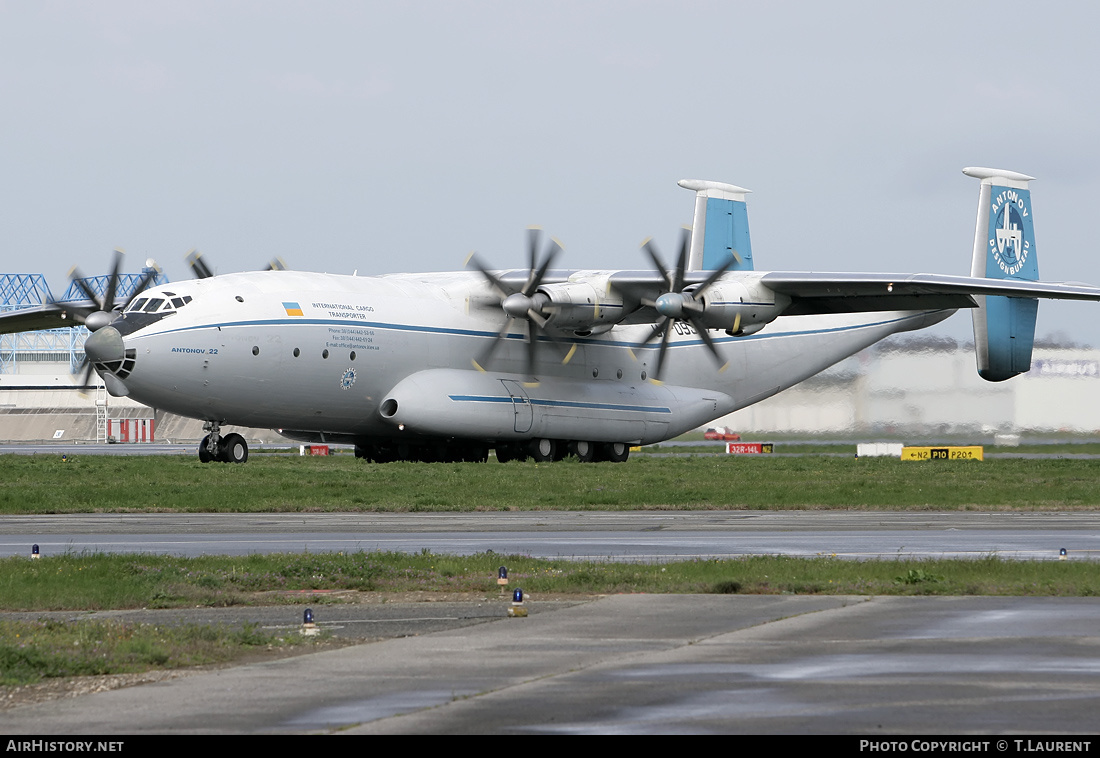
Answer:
(348, 379)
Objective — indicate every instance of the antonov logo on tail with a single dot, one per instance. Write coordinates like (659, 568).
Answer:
(1011, 247)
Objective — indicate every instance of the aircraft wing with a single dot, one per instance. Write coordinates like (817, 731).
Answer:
(46, 316)
(813, 293)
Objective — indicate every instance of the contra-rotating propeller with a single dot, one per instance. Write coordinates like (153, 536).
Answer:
(523, 302)
(202, 271)
(102, 311)
(678, 304)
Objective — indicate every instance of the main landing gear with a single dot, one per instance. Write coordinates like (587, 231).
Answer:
(228, 449)
(554, 450)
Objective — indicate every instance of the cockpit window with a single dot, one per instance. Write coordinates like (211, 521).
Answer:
(179, 302)
(153, 305)
(137, 305)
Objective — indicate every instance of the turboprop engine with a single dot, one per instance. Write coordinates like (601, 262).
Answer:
(739, 307)
(583, 307)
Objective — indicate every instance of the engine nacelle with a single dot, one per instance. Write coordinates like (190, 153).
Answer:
(740, 307)
(582, 306)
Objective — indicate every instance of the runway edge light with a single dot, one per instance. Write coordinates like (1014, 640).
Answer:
(1062, 554)
(34, 552)
(309, 629)
(517, 610)
(502, 576)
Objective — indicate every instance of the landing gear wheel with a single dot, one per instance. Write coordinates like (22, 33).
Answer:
(543, 449)
(616, 452)
(205, 456)
(584, 450)
(233, 449)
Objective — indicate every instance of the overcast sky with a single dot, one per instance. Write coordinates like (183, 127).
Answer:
(399, 136)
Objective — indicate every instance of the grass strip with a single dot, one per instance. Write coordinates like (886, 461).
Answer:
(119, 484)
(31, 651)
(109, 581)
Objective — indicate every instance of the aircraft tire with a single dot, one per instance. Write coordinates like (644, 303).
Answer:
(543, 449)
(584, 450)
(365, 452)
(616, 452)
(233, 449)
(204, 454)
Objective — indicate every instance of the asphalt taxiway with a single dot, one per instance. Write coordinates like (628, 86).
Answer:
(647, 664)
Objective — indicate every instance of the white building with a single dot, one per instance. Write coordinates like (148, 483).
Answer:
(933, 387)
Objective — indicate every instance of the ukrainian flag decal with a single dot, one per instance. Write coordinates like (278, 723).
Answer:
(293, 309)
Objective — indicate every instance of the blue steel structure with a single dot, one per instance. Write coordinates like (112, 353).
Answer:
(53, 345)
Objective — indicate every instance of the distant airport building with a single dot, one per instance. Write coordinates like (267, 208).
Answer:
(930, 386)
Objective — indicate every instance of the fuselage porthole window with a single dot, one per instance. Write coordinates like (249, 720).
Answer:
(297, 352)
(324, 354)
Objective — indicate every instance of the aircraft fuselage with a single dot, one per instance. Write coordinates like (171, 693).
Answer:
(390, 357)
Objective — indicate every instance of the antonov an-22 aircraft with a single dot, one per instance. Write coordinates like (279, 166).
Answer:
(539, 362)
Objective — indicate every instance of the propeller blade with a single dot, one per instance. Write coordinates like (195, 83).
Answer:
(198, 265)
(532, 347)
(112, 283)
(715, 276)
(534, 234)
(660, 327)
(659, 368)
(483, 360)
(654, 256)
(708, 341)
(86, 369)
(82, 284)
(498, 286)
(681, 263)
(535, 279)
(276, 264)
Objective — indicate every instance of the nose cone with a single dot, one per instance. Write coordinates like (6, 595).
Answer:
(105, 346)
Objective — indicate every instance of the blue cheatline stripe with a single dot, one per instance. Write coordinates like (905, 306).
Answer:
(520, 336)
(559, 403)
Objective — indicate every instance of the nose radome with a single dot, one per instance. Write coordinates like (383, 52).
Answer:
(105, 346)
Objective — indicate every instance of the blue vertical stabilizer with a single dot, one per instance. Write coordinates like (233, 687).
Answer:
(1004, 248)
(720, 230)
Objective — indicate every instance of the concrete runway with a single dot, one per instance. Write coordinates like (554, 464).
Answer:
(648, 664)
(624, 536)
